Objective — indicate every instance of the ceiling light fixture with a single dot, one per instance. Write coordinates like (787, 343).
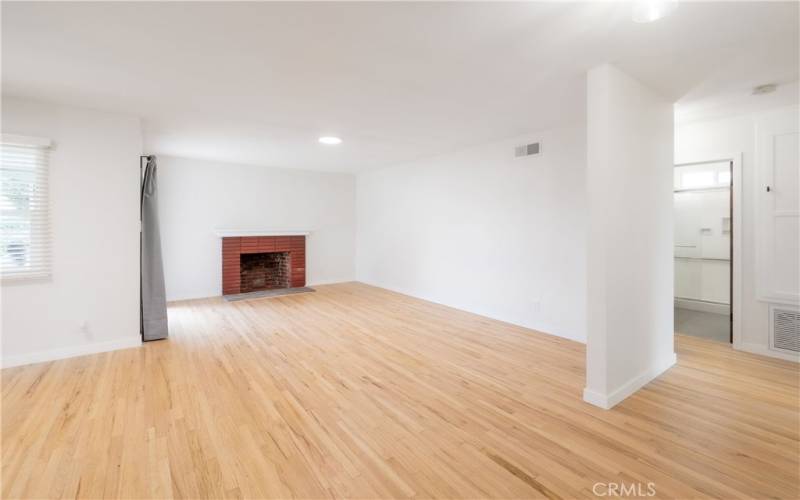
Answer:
(330, 140)
(647, 11)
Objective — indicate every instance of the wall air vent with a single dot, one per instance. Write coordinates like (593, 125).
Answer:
(531, 149)
(784, 329)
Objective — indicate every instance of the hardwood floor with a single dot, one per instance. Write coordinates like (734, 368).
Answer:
(354, 391)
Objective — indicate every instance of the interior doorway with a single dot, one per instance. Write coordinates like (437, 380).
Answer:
(704, 249)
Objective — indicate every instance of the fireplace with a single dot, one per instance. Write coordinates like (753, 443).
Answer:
(264, 271)
(254, 263)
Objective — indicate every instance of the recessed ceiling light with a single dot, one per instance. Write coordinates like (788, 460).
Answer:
(647, 11)
(765, 89)
(329, 139)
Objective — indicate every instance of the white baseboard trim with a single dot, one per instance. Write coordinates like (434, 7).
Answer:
(608, 401)
(70, 352)
(328, 282)
(699, 305)
(765, 351)
(485, 314)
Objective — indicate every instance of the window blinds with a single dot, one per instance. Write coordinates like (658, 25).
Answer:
(24, 208)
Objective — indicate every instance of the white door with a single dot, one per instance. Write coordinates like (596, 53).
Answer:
(779, 207)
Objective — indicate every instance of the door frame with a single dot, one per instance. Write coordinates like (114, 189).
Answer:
(736, 240)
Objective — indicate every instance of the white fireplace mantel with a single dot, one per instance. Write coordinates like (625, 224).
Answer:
(232, 233)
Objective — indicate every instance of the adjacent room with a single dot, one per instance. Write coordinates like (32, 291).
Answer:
(400, 250)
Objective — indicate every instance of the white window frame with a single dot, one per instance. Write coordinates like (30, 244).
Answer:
(41, 246)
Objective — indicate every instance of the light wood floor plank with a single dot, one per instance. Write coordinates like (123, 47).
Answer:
(358, 392)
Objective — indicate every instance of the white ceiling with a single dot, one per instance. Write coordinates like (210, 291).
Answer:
(736, 100)
(259, 82)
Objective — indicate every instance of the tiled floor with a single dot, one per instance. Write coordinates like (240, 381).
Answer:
(703, 324)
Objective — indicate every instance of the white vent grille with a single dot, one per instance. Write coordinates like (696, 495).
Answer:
(531, 149)
(784, 331)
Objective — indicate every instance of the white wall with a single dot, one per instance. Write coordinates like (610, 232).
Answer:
(630, 237)
(196, 197)
(484, 232)
(91, 303)
(720, 139)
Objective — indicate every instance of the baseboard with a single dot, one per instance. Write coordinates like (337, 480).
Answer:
(485, 314)
(608, 401)
(765, 351)
(328, 282)
(70, 352)
(703, 306)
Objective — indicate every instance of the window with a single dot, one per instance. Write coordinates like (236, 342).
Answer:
(24, 208)
(700, 176)
(697, 180)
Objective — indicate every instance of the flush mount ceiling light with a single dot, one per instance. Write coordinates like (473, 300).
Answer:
(765, 89)
(647, 11)
(330, 140)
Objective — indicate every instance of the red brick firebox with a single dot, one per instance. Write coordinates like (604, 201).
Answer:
(234, 247)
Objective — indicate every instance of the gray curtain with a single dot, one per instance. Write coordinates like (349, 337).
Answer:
(154, 299)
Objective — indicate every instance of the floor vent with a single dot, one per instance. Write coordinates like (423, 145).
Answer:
(531, 149)
(784, 329)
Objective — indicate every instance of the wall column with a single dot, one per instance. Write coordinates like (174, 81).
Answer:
(630, 240)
